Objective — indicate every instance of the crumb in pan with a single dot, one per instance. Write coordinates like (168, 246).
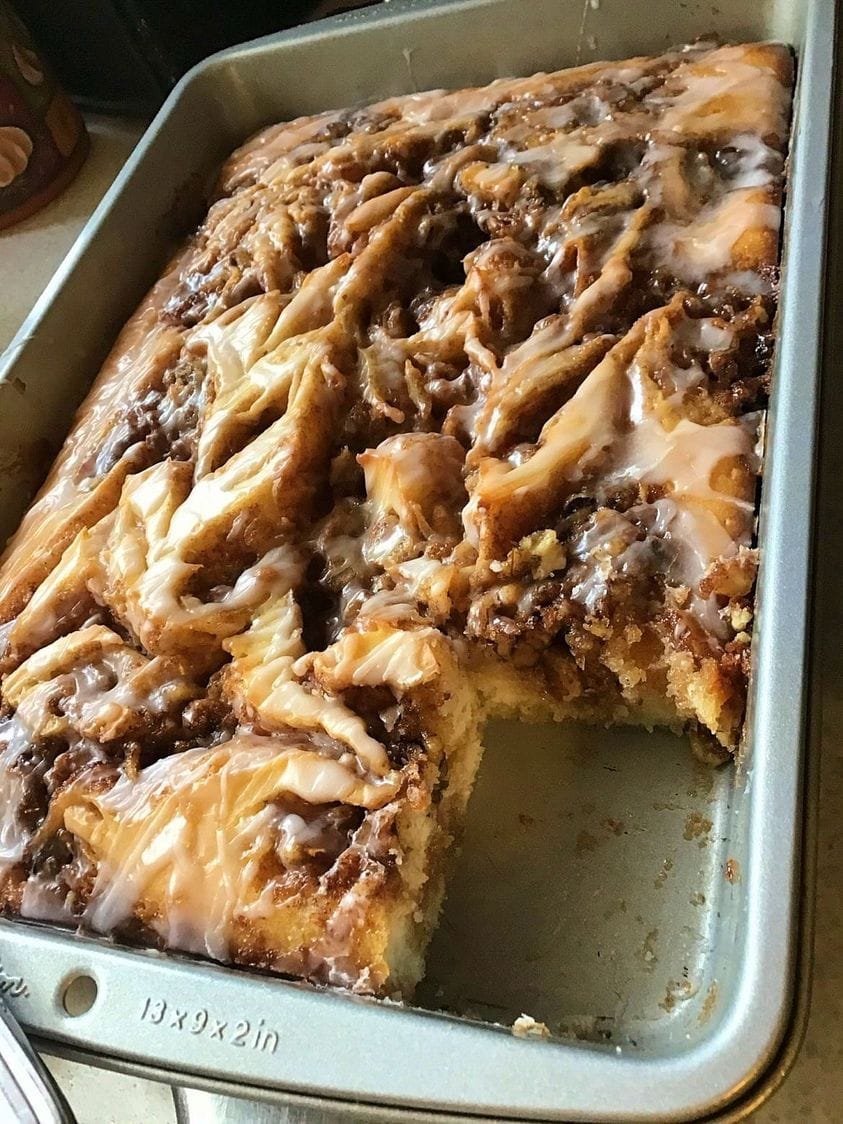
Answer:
(525, 1026)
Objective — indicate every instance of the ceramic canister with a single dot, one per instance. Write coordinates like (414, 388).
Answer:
(42, 135)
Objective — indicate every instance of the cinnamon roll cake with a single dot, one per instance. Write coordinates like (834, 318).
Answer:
(452, 407)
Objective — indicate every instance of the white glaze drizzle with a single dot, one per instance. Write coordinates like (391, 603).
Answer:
(182, 844)
(184, 841)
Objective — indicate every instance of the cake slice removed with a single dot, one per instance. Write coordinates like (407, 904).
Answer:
(451, 408)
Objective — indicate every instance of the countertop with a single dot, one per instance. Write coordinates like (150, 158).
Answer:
(813, 1091)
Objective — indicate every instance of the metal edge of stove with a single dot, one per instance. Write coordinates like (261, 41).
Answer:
(563, 1081)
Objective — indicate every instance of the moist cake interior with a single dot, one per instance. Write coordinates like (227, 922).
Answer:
(452, 408)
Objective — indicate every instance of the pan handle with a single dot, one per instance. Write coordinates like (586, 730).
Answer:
(28, 1093)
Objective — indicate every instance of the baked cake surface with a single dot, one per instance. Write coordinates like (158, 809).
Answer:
(452, 407)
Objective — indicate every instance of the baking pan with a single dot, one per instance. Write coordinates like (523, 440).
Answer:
(645, 908)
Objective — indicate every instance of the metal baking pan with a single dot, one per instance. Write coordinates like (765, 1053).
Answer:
(643, 907)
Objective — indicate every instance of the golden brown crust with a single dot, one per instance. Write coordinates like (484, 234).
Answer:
(452, 406)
